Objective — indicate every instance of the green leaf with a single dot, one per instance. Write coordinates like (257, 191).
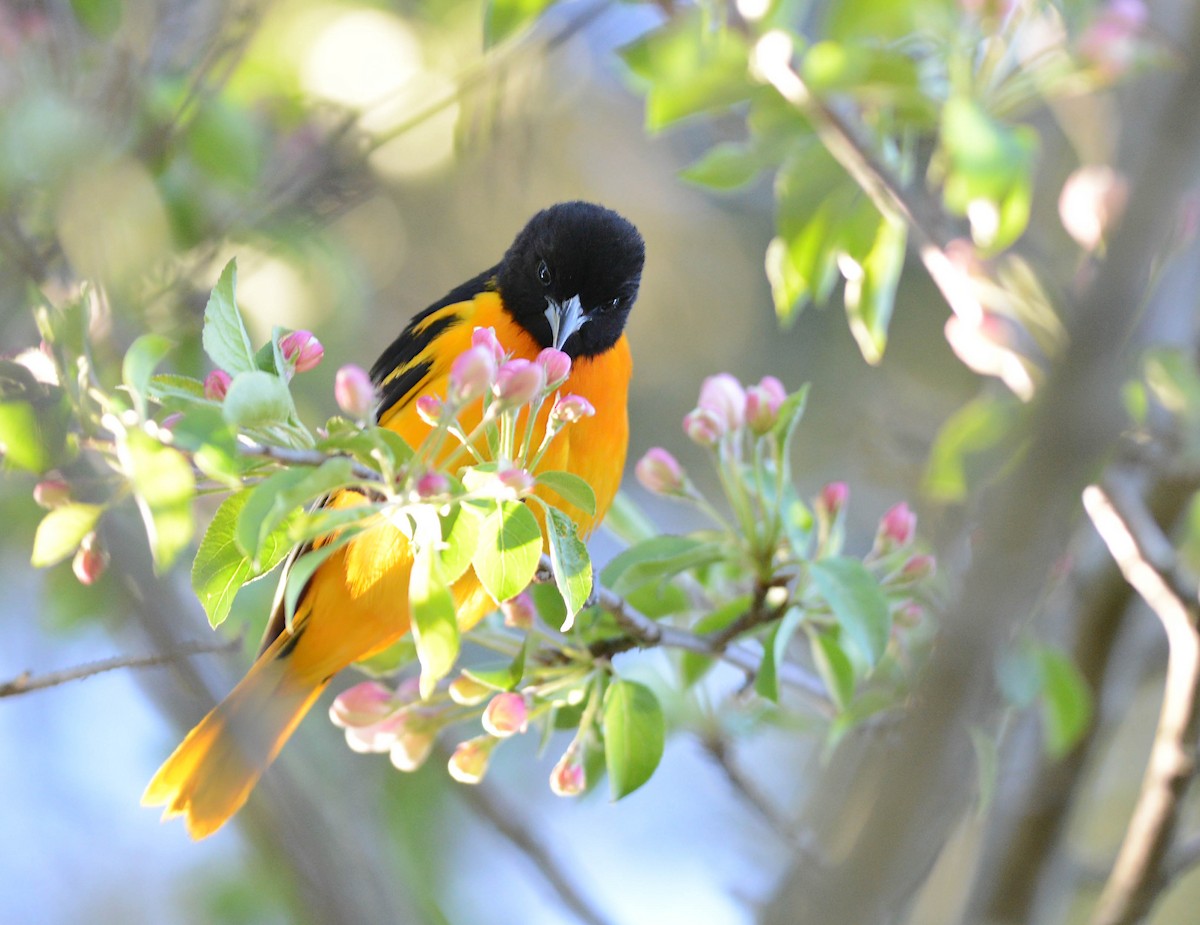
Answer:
(257, 399)
(658, 600)
(657, 559)
(833, 665)
(570, 561)
(766, 682)
(858, 603)
(689, 68)
(224, 336)
(725, 166)
(505, 18)
(143, 355)
(987, 162)
(204, 433)
(278, 495)
(1066, 701)
(434, 625)
(978, 426)
(627, 522)
(220, 568)
(461, 534)
(61, 531)
(693, 665)
(790, 414)
(571, 488)
(510, 546)
(167, 386)
(505, 677)
(34, 419)
(987, 767)
(301, 569)
(634, 735)
(163, 486)
(871, 294)
(100, 17)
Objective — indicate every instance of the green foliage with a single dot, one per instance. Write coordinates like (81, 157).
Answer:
(434, 624)
(570, 562)
(510, 545)
(858, 603)
(221, 567)
(61, 531)
(506, 18)
(226, 340)
(633, 735)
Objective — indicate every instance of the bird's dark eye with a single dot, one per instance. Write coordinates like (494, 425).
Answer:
(615, 303)
(543, 273)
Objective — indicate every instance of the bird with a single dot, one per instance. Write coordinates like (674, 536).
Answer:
(567, 281)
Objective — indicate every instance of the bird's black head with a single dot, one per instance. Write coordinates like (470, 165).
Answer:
(571, 276)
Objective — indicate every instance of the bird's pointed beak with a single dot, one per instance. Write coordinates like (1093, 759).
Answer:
(565, 319)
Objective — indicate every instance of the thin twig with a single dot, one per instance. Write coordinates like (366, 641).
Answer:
(299, 457)
(24, 683)
(645, 633)
(486, 805)
(802, 842)
(1137, 876)
(931, 231)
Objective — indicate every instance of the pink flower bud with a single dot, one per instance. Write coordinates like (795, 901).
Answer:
(91, 560)
(486, 338)
(302, 350)
(467, 692)
(519, 612)
(377, 737)
(724, 396)
(897, 527)
(505, 715)
(568, 779)
(469, 762)
(659, 472)
(762, 404)
(51, 493)
(362, 705)
(518, 382)
(1111, 42)
(518, 480)
(571, 408)
(909, 614)
(1091, 203)
(834, 497)
(472, 373)
(412, 746)
(432, 484)
(918, 568)
(429, 409)
(353, 391)
(216, 384)
(704, 426)
(556, 364)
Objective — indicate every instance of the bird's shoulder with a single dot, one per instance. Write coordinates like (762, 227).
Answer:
(410, 359)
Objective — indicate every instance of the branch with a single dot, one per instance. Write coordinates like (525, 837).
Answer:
(890, 195)
(645, 633)
(298, 457)
(1143, 555)
(509, 824)
(24, 683)
(804, 843)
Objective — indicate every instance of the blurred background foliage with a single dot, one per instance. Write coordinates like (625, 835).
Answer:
(361, 158)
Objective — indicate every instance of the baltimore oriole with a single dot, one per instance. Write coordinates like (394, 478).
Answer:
(567, 281)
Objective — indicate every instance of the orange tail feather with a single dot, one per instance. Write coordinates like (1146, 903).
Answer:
(210, 775)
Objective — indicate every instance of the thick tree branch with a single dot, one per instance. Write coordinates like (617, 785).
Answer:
(1145, 558)
(24, 683)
